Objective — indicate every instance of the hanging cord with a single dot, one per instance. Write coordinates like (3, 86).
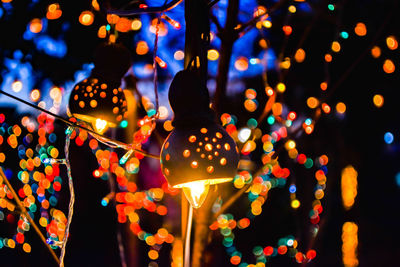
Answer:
(187, 241)
(72, 195)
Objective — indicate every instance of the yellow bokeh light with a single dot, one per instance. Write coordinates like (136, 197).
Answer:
(86, 18)
(26, 247)
(335, 46)
(312, 102)
(392, 43)
(340, 107)
(295, 203)
(281, 87)
(136, 24)
(267, 24)
(16, 86)
(212, 54)
(285, 64)
(292, 9)
(350, 244)
(290, 145)
(378, 100)
(153, 254)
(388, 66)
(168, 126)
(349, 186)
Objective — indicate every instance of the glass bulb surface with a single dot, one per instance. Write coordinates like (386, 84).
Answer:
(196, 192)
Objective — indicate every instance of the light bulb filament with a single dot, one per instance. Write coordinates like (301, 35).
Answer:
(196, 192)
(100, 126)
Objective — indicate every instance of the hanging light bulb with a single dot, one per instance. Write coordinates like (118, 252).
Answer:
(198, 152)
(98, 100)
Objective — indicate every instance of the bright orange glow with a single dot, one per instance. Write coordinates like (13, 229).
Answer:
(241, 64)
(142, 48)
(86, 18)
(335, 46)
(153, 254)
(123, 25)
(36, 26)
(102, 32)
(277, 109)
(250, 105)
(349, 186)
(360, 29)
(261, 10)
(376, 51)
(53, 11)
(95, 5)
(340, 107)
(312, 102)
(285, 64)
(287, 29)
(300, 55)
(323, 86)
(350, 244)
(378, 100)
(263, 43)
(388, 66)
(328, 57)
(112, 18)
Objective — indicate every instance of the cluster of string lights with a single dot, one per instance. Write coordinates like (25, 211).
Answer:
(40, 172)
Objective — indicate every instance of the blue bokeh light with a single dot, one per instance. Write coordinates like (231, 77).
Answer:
(388, 137)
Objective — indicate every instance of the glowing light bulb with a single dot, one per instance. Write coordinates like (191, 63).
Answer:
(100, 126)
(196, 192)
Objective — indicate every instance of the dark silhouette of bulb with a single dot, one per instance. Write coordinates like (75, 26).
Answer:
(99, 100)
(198, 152)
